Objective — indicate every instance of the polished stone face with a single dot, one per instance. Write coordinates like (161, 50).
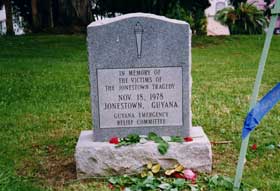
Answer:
(140, 97)
(140, 76)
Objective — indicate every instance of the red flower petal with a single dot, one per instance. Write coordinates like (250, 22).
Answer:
(114, 140)
(178, 175)
(254, 147)
(188, 139)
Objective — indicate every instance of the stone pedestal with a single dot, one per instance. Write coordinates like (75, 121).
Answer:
(103, 159)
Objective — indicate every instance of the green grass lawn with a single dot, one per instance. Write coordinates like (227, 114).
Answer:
(45, 103)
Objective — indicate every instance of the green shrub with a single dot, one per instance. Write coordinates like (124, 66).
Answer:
(193, 15)
(244, 19)
(178, 12)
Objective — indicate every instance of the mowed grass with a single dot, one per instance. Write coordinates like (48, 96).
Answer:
(45, 103)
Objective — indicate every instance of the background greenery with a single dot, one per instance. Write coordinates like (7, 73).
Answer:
(45, 103)
(72, 16)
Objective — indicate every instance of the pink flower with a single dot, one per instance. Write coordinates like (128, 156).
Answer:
(114, 140)
(111, 186)
(188, 139)
(190, 175)
(254, 147)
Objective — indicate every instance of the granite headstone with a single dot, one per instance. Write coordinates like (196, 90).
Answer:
(140, 75)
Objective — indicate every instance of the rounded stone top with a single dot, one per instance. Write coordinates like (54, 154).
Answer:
(134, 15)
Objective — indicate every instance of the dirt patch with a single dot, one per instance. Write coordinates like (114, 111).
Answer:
(58, 171)
(49, 167)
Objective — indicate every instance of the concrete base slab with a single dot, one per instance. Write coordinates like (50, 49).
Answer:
(103, 159)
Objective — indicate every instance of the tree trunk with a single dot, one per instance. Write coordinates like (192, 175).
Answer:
(9, 17)
(51, 14)
(81, 11)
(35, 18)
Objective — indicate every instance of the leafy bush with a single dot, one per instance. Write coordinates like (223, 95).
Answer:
(194, 15)
(200, 22)
(244, 19)
(178, 12)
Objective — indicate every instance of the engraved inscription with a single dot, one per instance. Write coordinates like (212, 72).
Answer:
(139, 97)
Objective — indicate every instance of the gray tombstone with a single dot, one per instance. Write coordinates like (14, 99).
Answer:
(140, 75)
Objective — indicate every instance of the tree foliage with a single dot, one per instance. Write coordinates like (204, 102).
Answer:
(196, 9)
(41, 15)
(190, 11)
(236, 3)
(75, 15)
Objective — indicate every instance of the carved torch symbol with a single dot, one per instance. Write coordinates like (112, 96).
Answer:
(138, 30)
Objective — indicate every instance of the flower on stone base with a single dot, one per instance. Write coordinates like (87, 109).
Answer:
(188, 139)
(190, 175)
(114, 140)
